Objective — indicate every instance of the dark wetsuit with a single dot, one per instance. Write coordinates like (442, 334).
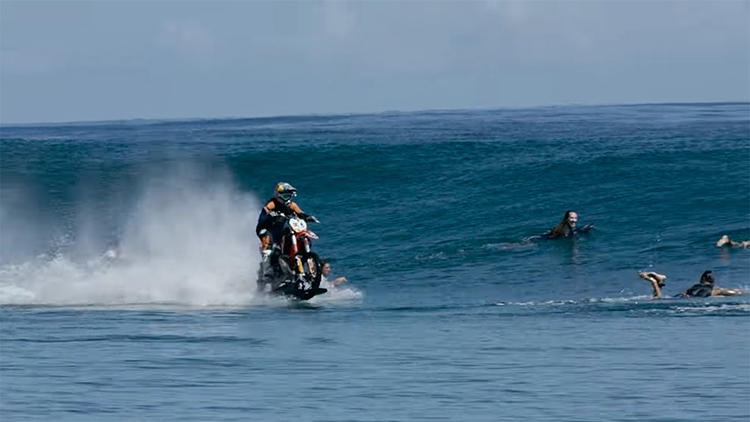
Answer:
(567, 232)
(699, 290)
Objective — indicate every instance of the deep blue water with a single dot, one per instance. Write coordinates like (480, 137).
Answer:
(450, 311)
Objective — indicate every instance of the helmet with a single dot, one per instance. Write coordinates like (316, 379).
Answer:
(285, 192)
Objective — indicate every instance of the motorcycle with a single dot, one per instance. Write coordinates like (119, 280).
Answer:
(297, 270)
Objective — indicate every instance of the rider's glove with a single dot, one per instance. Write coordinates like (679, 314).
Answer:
(312, 219)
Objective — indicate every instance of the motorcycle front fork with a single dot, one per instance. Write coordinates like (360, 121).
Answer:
(306, 249)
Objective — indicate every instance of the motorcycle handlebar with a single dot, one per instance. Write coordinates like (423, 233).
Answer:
(309, 218)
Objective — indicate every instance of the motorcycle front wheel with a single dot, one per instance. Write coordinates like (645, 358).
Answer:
(308, 282)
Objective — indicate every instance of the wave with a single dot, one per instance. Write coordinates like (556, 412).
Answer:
(187, 239)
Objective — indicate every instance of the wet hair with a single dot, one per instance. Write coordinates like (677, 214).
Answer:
(707, 277)
(558, 230)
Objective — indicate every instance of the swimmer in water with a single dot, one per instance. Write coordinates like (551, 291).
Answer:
(327, 270)
(725, 241)
(567, 227)
(704, 288)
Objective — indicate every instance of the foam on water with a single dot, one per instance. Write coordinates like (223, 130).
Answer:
(736, 305)
(338, 295)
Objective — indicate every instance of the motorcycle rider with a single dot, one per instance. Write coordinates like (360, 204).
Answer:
(269, 228)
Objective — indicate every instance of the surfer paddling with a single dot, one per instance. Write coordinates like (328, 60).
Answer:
(704, 288)
(567, 227)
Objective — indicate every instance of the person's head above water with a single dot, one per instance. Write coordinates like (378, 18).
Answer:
(707, 278)
(566, 227)
(570, 218)
(325, 267)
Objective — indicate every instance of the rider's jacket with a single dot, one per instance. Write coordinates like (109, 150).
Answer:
(274, 225)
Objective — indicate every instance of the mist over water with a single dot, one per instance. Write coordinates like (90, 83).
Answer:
(186, 239)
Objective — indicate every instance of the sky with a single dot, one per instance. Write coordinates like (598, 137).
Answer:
(64, 61)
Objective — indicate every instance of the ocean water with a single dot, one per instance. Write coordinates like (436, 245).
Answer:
(450, 312)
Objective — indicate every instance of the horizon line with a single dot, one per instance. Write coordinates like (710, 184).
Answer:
(155, 120)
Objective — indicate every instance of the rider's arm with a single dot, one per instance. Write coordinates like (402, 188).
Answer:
(265, 214)
(294, 207)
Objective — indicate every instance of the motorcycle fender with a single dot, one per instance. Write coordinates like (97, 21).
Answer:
(310, 235)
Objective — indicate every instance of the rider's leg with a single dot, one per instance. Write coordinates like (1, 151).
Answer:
(265, 254)
(265, 242)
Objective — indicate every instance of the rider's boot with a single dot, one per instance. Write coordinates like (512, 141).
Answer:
(265, 264)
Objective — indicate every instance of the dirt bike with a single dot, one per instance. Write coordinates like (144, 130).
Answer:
(297, 270)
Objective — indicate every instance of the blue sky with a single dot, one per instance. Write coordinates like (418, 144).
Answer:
(82, 61)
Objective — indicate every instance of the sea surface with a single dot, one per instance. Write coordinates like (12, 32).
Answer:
(128, 256)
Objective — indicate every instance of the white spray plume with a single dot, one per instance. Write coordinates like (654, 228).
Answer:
(188, 241)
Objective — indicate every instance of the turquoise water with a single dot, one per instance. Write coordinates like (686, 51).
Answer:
(450, 311)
